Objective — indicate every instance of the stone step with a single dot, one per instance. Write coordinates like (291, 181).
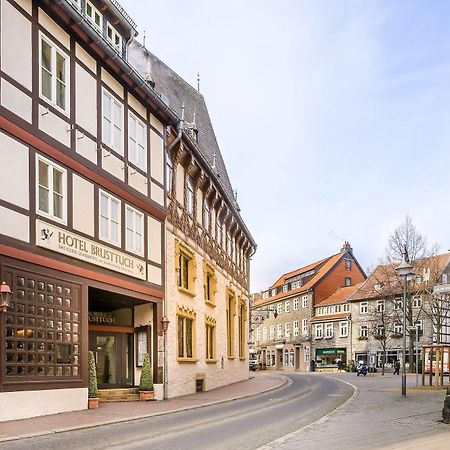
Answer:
(127, 398)
(118, 395)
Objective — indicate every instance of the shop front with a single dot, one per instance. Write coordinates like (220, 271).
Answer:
(328, 358)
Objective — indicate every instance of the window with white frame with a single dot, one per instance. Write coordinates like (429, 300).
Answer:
(419, 324)
(265, 295)
(54, 74)
(274, 292)
(109, 212)
(287, 306)
(304, 327)
(318, 330)
(272, 332)
(207, 220)
(137, 142)
(287, 329)
(363, 307)
(295, 328)
(112, 122)
(280, 330)
(380, 305)
(398, 327)
(295, 304)
(279, 308)
(343, 328)
(264, 333)
(189, 195)
(76, 3)
(417, 301)
(348, 264)
(169, 174)
(94, 15)
(398, 304)
(114, 37)
(346, 307)
(363, 331)
(134, 230)
(258, 335)
(305, 301)
(329, 330)
(348, 281)
(285, 288)
(51, 191)
(219, 230)
(380, 330)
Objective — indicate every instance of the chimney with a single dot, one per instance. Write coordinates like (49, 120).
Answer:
(346, 247)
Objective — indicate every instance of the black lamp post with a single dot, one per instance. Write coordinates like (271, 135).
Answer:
(404, 270)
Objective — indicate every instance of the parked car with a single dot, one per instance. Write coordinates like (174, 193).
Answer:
(253, 364)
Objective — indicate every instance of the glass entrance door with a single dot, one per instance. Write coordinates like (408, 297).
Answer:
(112, 353)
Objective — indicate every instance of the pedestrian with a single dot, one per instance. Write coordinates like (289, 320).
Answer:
(397, 367)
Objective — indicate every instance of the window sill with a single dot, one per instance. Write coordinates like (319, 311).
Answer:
(187, 360)
(318, 338)
(210, 303)
(328, 337)
(186, 291)
(211, 361)
(231, 357)
(242, 358)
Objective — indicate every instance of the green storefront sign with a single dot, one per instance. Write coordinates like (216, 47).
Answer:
(330, 351)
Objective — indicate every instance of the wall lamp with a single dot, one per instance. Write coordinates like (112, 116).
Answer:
(165, 323)
(5, 296)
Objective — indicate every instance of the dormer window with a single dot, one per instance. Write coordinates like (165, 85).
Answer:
(94, 15)
(114, 37)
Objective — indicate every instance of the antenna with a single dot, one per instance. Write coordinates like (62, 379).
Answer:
(198, 81)
(182, 112)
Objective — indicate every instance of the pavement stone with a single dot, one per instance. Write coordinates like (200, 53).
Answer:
(124, 411)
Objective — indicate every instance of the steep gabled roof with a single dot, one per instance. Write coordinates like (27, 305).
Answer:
(286, 276)
(341, 295)
(322, 271)
(384, 282)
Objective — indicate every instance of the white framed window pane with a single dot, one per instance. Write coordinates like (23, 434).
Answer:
(117, 138)
(129, 238)
(114, 232)
(104, 226)
(57, 206)
(114, 210)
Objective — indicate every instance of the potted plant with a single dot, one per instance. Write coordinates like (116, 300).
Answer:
(92, 388)
(146, 381)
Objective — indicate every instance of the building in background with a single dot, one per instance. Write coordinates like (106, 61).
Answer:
(377, 311)
(208, 246)
(82, 202)
(284, 339)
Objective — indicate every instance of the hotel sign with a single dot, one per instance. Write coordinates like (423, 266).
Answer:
(70, 244)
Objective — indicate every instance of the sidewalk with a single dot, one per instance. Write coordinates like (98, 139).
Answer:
(124, 411)
(377, 417)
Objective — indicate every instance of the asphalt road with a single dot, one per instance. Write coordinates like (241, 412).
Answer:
(240, 424)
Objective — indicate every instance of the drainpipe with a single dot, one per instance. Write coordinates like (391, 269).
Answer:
(180, 131)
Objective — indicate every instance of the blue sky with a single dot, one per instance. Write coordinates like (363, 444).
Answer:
(333, 117)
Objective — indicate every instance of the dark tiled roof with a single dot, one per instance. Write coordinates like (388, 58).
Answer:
(174, 90)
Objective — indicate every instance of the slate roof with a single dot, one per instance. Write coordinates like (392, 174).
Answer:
(174, 91)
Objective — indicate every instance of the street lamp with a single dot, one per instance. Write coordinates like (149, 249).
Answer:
(404, 270)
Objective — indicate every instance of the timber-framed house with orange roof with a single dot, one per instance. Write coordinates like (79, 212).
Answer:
(284, 340)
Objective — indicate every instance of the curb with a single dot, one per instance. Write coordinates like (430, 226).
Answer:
(283, 382)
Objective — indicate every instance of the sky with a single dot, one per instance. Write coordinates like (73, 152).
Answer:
(333, 117)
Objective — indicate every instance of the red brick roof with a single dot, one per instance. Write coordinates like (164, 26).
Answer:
(330, 262)
(330, 317)
(341, 295)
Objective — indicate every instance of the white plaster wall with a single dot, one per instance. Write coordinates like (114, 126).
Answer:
(54, 29)
(83, 205)
(112, 164)
(54, 126)
(154, 240)
(15, 34)
(25, 4)
(86, 100)
(154, 274)
(156, 123)
(157, 194)
(143, 316)
(14, 224)
(24, 404)
(182, 375)
(156, 157)
(84, 57)
(137, 181)
(86, 147)
(112, 83)
(137, 106)
(16, 101)
(14, 182)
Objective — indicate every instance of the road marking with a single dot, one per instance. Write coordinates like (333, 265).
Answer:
(283, 439)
